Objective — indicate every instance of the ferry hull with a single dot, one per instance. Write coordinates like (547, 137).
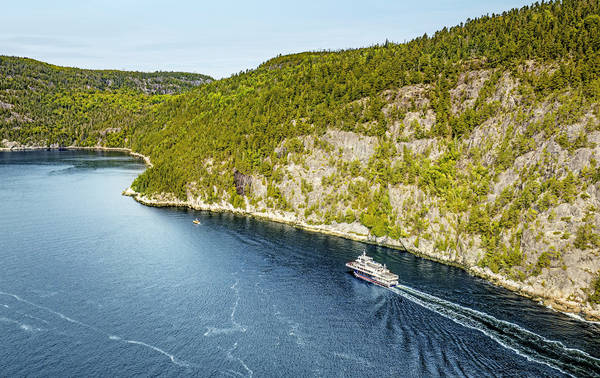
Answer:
(370, 279)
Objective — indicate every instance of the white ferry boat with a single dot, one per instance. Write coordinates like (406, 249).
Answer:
(365, 268)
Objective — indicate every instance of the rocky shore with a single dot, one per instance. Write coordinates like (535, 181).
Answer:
(354, 231)
(360, 233)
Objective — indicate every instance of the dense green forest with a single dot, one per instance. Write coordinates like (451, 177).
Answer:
(47, 104)
(240, 120)
(478, 137)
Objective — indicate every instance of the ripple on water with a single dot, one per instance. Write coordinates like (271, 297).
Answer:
(118, 288)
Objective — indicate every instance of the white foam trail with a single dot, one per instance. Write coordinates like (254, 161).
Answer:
(578, 317)
(294, 327)
(32, 317)
(235, 306)
(294, 332)
(232, 357)
(173, 359)
(6, 306)
(212, 331)
(237, 327)
(36, 318)
(23, 326)
(62, 316)
(233, 373)
(498, 330)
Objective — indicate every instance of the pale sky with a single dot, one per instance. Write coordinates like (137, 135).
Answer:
(216, 38)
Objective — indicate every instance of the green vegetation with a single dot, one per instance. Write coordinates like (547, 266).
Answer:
(545, 259)
(586, 238)
(45, 104)
(378, 216)
(239, 121)
(533, 71)
(594, 296)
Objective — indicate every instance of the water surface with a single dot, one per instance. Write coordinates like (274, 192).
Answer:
(94, 284)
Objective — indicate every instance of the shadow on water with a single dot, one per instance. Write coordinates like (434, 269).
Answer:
(72, 159)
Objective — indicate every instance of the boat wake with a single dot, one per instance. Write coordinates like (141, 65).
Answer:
(173, 359)
(236, 327)
(294, 327)
(231, 357)
(62, 316)
(23, 326)
(523, 342)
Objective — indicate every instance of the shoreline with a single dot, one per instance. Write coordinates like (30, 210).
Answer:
(582, 311)
(129, 151)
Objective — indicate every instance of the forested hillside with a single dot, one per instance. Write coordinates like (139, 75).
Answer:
(476, 146)
(45, 104)
(239, 121)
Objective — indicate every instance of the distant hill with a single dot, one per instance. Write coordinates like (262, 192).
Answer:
(477, 146)
(47, 104)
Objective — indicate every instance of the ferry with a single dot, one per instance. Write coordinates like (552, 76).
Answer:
(365, 268)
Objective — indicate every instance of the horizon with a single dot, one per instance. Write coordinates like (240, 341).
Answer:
(152, 37)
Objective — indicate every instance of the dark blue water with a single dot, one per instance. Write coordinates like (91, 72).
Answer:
(95, 284)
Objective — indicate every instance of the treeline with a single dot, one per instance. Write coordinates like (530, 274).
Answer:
(45, 104)
(197, 139)
(240, 120)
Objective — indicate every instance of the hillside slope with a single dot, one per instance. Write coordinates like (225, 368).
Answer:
(478, 147)
(45, 104)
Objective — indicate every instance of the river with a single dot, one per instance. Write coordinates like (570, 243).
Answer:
(94, 284)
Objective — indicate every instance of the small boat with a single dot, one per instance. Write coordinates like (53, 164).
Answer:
(366, 269)
(196, 221)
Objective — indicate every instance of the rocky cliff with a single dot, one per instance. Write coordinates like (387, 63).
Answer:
(516, 202)
(477, 146)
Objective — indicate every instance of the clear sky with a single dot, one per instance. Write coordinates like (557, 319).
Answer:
(219, 37)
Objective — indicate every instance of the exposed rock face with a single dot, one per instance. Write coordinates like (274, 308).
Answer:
(6, 144)
(110, 130)
(4, 105)
(333, 181)
(353, 146)
(243, 183)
